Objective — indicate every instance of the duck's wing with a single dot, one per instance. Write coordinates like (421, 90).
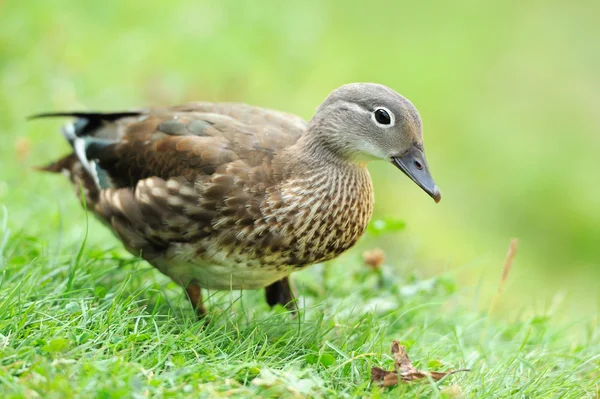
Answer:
(176, 174)
(191, 141)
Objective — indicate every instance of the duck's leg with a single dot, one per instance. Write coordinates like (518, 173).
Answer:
(195, 295)
(282, 292)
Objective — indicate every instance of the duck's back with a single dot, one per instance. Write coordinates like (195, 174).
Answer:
(190, 141)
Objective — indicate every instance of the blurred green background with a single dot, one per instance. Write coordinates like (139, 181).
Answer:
(509, 93)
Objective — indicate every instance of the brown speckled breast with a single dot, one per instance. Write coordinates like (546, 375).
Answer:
(304, 221)
(326, 214)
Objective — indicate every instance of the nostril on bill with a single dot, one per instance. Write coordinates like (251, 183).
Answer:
(419, 165)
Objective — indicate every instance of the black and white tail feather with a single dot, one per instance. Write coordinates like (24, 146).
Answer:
(81, 134)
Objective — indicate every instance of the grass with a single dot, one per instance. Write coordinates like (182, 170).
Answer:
(505, 91)
(105, 325)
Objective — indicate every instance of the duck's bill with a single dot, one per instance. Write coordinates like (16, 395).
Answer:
(414, 165)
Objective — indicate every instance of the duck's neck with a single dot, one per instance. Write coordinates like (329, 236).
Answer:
(309, 156)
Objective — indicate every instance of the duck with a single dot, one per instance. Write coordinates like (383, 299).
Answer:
(229, 196)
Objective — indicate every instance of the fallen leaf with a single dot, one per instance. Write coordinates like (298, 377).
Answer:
(404, 370)
(383, 377)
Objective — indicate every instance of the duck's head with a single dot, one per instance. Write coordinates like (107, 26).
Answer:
(360, 122)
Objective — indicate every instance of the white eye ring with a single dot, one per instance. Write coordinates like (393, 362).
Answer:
(381, 115)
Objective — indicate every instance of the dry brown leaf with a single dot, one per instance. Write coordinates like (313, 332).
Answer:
(404, 370)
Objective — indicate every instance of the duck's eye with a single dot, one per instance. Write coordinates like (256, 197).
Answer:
(382, 116)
